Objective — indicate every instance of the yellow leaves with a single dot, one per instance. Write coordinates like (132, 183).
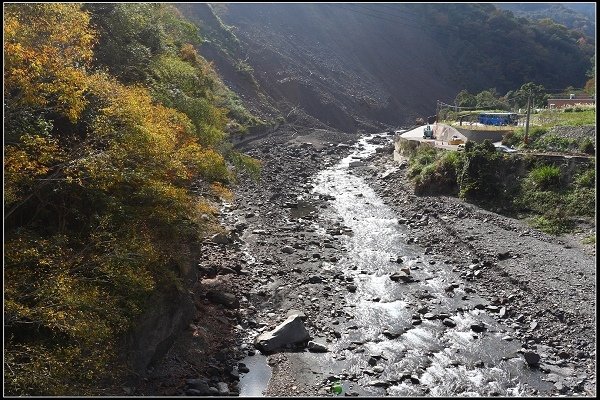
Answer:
(188, 53)
(32, 159)
(47, 47)
(221, 191)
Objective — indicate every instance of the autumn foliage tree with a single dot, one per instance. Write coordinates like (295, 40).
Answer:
(103, 176)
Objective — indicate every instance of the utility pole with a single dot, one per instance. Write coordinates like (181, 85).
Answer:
(525, 139)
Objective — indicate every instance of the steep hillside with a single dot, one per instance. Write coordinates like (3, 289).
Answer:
(577, 16)
(352, 66)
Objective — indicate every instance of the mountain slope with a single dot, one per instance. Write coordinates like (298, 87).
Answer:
(353, 66)
(577, 16)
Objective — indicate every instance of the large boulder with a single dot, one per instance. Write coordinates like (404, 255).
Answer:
(227, 299)
(290, 331)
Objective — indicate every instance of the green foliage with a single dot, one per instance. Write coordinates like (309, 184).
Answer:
(99, 206)
(554, 201)
(423, 156)
(490, 179)
(589, 239)
(478, 179)
(441, 175)
(581, 197)
(554, 225)
(133, 34)
(485, 42)
(519, 98)
(517, 137)
(561, 13)
(545, 177)
(465, 99)
(490, 99)
(586, 179)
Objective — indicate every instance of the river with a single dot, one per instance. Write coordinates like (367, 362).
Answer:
(428, 336)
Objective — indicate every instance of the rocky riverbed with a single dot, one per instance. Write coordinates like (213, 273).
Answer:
(400, 294)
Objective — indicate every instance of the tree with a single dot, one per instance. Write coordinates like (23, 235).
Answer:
(99, 206)
(537, 92)
(47, 49)
(590, 85)
(465, 99)
(490, 99)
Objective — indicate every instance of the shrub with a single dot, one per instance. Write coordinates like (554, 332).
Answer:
(477, 178)
(586, 178)
(545, 177)
(587, 146)
(552, 225)
(581, 201)
(517, 137)
(423, 156)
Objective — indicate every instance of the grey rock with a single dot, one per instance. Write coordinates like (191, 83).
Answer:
(317, 347)
(533, 325)
(289, 332)
(243, 368)
(391, 335)
(429, 316)
(296, 312)
(378, 383)
(449, 322)
(287, 249)
(240, 226)
(221, 238)
(564, 355)
(223, 388)
(480, 327)
(200, 385)
(227, 299)
(401, 276)
(531, 358)
(561, 387)
(520, 318)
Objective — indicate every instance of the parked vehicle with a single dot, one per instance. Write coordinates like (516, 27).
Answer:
(504, 149)
(428, 132)
(456, 140)
(498, 119)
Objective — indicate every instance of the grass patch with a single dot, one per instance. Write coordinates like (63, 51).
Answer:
(552, 225)
(576, 116)
(589, 239)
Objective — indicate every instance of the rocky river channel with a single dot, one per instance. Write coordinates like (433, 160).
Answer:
(333, 278)
(406, 323)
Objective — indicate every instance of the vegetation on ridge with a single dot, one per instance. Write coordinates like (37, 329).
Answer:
(115, 149)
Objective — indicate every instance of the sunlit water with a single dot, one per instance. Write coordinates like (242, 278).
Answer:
(442, 358)
(446, 361)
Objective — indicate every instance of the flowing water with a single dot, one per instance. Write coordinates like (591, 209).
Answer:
(381, 350)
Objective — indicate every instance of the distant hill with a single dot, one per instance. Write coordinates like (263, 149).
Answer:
(351, 66)
(578, 16)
